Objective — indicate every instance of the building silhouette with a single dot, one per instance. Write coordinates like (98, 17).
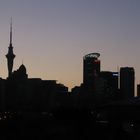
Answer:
(138, 90)
(111, 79)
(20, 93)
(127, 82)
(91, 68)
(98, 87)
(10, 55)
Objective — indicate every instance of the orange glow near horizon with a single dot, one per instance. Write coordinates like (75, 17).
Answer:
(53, 36)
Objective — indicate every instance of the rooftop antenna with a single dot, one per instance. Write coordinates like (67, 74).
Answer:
(11, 31)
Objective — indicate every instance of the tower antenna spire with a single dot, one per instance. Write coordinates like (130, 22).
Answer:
(11, 31)
(10, 55)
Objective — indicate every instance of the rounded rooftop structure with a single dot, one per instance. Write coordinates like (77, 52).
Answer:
(22, 68)
(92, 55)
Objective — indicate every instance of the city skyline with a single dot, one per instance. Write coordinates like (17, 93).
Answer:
(51, 37)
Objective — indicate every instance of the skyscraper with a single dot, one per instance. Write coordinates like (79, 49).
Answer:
(10, 55)
(127, 82)
(138, 90)
(91, 68)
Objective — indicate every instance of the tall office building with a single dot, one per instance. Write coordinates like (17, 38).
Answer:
(91, 68)
(138, 90)
(111, 79)
(127, 82)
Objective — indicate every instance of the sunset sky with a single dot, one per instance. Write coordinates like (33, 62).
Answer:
(52, 36)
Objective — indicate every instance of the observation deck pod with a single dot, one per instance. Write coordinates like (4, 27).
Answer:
(92, 55)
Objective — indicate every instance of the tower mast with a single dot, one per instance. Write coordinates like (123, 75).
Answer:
(11, 32)
(10, 55)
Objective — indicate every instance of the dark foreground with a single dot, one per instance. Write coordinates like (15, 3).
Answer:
(105, 123)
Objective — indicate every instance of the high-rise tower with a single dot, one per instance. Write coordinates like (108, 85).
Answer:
(127, 82)
(91, 68)
(10, 55)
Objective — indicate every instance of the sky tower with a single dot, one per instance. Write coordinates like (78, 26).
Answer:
(10, 55)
